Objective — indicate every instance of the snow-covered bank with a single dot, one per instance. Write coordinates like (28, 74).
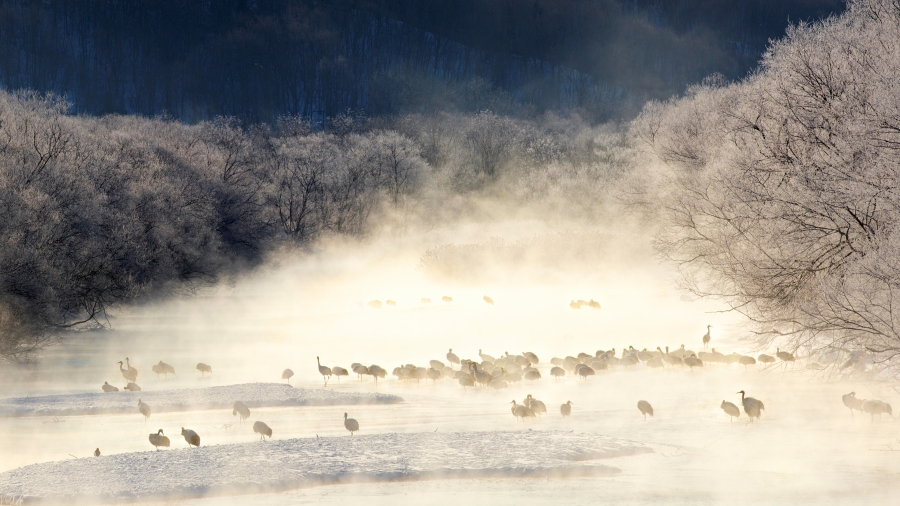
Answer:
(294, 463)
(221, 397)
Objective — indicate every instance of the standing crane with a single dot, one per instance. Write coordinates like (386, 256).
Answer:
(324, 371)
(706, 336)
(144, 409)
(351, 424)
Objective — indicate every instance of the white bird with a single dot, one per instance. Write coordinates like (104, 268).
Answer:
(532, 374)
(730, 409)
(192, 438)
(360, 370)
(535, 405)
(339, 371)
(204, 368)
(584, 371)
(876, 407)
(391, 303)
(242, 410)
(108, 388)
(852, 402)
(594, 304)
(481, 376)
(375, 304)
(646, 408)
(324, 371)
(452, 358)
(784, 355)
(499, 383)
(693, 362)
(132, 387)
(489, 300)
(706, 336)
(377, 372)
(129, 373)
(521, 411)
(566, 409)
(287, 374)
(144, 409)
(159, 439)
(262, 429)
(447, 298)
(485, 356)
(351, 424)
(752, 406)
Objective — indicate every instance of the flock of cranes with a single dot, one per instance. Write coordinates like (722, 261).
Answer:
(499, 372)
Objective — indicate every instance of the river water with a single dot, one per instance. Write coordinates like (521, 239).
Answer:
(806, 449)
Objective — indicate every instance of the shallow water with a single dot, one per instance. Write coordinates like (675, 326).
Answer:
(806, 448)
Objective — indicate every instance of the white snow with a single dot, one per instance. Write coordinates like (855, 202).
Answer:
(220, 397)
(294, 463)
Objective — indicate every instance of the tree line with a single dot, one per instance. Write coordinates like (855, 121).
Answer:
(95, 212)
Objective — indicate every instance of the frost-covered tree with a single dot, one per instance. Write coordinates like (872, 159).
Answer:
(780, 193)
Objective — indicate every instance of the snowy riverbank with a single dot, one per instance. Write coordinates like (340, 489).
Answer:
(295, 463)
(160, 401)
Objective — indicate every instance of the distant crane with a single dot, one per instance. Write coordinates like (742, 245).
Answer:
(706, 336)
(132, 387)
(852, 402)
(286, 375)
(783, 355)
(765, 359)
(159, 439)
(144, 409)
(692, 362)
(97, 452)
(242, 410)
(192, 438)
(521, 411)
(452, 358)
(566, 409)
(204, 368)
(324, 371)
(129, 373)
(489, 300)
(752, 406)
(730, 409)
(876, 407)
(351, 424)
(446, 298)
(108, 388)
(557, 372)
(262, 429)
(646, 408)
(339, 371)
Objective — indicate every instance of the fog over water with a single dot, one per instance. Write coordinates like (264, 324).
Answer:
(805, 449)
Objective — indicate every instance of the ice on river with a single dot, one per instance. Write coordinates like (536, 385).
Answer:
(294, 463)
(188, 399)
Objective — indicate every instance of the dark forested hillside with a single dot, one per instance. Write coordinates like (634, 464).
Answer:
(258, 60)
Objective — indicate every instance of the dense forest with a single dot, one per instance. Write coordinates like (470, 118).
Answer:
(258, 60)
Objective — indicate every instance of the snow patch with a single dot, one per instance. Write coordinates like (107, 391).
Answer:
(288, 464)
(188, 399)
